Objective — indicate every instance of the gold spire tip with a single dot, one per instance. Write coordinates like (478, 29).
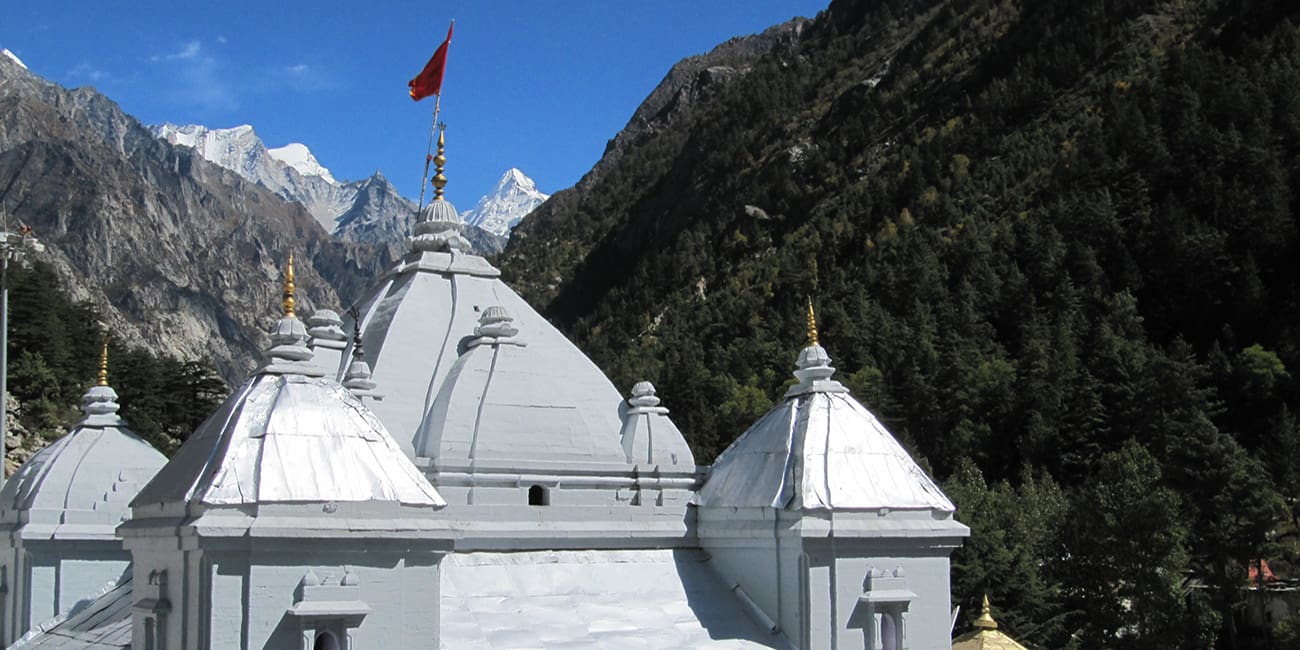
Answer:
(103, 363)
(985, 621)
(812, 324)
(288, 303)
(439, 180)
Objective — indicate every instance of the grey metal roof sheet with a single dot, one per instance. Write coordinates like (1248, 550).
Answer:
(290, 438)
(98, 622)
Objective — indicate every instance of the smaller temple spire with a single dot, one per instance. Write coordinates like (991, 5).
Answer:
(357, 352)
(439, 181)
(289, 353)
(103, 363)
(985, 621)
(289, 289)
(358, 377)
(812, 324)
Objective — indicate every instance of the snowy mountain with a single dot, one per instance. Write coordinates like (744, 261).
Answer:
(13, 57)
(298, 156)
(291, 171)
(369, 210)
(500, 211)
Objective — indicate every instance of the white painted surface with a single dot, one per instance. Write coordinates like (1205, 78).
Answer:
(819, 449)
(591, 599)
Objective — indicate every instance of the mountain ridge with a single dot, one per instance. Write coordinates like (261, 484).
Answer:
(369, 210)
(178, 254)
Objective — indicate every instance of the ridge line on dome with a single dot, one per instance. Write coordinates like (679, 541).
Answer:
(76, 468)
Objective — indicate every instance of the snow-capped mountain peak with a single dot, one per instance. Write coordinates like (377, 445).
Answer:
(514, 197)
(298, 156)
(13, 57)
(290, 171)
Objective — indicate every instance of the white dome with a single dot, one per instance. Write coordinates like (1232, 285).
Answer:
(286, 436)
(819, 450)
(416, 328)
(506, 403)
(83, 480)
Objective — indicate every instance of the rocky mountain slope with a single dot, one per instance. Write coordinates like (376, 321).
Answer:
(178, 254)
(369, 210)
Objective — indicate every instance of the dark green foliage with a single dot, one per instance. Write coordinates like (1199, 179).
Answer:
(1041, 231)
(54, 352)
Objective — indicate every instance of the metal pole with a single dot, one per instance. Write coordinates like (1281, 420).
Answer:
(428, 153)
(4, 363)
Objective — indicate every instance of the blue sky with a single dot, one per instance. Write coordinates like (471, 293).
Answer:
(538, 85)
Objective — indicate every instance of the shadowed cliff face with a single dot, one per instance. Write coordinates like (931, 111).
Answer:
(177, 253)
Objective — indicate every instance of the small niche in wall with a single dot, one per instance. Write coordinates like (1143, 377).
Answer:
(539, 496)
(326, 641)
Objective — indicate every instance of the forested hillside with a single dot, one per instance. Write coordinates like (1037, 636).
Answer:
(54, 354)
(1053, 244)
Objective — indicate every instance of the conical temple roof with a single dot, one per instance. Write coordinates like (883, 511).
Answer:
(288, 435)
(80, 484)
(819, 449)
(985, 636)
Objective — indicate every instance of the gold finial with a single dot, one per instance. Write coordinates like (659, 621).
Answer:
(812, 324)
(439, 181)
(985, 621)
(289, 289)
(103, 363)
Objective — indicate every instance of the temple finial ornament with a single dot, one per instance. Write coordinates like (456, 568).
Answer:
(812, 324)
(985, 621)
(357, 352)
(439, 181)
(289, 289)
(103, 363)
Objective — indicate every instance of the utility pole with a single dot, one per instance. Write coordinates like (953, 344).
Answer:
(12, 246)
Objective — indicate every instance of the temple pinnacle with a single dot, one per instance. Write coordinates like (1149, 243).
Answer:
(103, 363)
(439, 181)
(289, 289)
(985, 621)
(812, 324)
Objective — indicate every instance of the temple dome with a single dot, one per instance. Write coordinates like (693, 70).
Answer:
(288, 435)
(819, 449)
(417, 322)
(508, 403)
(440, 211)
(80, 484)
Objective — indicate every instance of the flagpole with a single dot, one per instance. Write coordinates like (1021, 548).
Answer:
(428, 152)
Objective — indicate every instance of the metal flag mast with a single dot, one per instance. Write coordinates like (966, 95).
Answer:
(428, 151)
(429, 82)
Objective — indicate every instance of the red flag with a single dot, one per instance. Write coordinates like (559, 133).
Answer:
(429, 81)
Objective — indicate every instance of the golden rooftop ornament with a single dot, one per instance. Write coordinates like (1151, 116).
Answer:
(103, 363)
(439, 181)
(985, 621)
(812, 324)
(288, 290)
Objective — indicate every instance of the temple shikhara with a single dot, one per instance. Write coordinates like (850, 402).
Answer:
(441, 468)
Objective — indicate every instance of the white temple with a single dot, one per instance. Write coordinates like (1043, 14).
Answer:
(457, 474)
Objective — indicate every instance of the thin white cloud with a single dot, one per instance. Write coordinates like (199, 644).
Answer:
(198, 77)
(221, 40)
(89, 72)
(299, 77)
(189, 51)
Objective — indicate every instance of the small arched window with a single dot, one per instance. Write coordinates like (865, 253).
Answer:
(326, 641)
(538, 496)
